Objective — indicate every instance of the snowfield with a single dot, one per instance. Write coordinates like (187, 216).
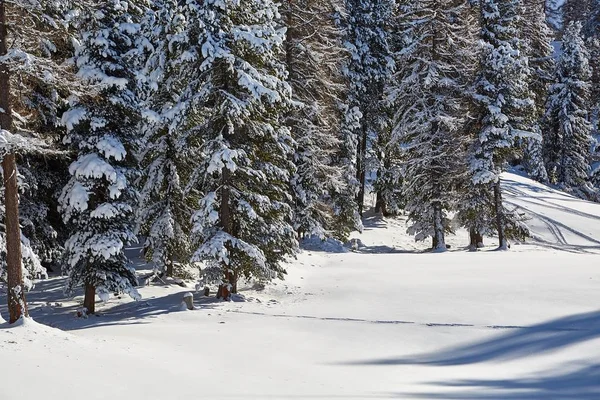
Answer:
(385, 321)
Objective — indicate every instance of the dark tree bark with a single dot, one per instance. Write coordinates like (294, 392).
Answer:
(499, 209)
(438, 239)
(226, 217)
(361, 170)
(170, 268)
(89, 300)
(475, 239)
(17, 305)
(380, 205)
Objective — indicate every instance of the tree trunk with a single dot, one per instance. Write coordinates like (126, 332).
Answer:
(170, 268)
(361, 171)
(380, 205)
(226, 220)
(475, 239)
(439, 241)
(17, 305)
(499, 209)
(89, 300)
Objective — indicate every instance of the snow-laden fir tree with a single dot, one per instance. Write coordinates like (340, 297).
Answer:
(313, 54)
(244, 224)
(97, 203)
(504, 109)
(429, 98)
(346, 216)
(568, 130)
(575, 11)
(34, 80)
(537, 39)
(170, 153)
(370, 65)
(592, 31)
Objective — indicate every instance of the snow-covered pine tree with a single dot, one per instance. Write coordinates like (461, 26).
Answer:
(370, 66)
(346, 217)
(430, 102)
(313, 54)
(34, 79)
(243, 226)
(98, 201)
(170, 152)
(568, 130)
(592, 30)
(505, 106)
(575, 11)
(537, 39)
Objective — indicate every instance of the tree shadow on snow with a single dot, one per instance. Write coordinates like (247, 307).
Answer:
(518, 343)
(571, 382)
(578, 383)
(46, 307)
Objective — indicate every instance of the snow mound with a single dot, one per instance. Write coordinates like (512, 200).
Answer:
(328, 245)
(27, 326)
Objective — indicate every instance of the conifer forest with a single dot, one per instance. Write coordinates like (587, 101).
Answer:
(215, 145)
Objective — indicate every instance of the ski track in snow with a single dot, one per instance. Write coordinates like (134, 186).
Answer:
(395, 322)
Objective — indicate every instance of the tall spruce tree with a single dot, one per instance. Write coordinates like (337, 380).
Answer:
(98, 200)
(592, 31)
(575, 11)
(243, 227)
(505, 104)
(170, 154)
(568, 128)
(34, 81)
(537, 39)
(430, 103)
(346, 216)
(313, 54)
(369, 67)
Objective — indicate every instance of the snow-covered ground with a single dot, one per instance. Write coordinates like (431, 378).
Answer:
(386, 321)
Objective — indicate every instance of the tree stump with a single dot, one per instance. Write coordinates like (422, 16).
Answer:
(206, 291)
(224, 291)
(188, 299)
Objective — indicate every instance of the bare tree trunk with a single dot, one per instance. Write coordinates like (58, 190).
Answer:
(361, 171)
(499, 209)
(475, 239)
(380, 205)
(226, 217)
(170, 268)
(17, 305)
(439, 241)
(89, 300)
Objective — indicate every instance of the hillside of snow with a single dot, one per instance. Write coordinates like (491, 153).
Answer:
(385, 321)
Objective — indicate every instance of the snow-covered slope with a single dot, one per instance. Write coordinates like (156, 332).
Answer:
(386, 321)
(556, 219)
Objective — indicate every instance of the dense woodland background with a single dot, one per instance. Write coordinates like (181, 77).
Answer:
(226, 131)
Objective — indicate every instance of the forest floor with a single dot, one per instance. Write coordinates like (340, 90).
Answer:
(387, 320)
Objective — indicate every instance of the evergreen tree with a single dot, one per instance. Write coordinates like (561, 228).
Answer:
(592, 30)
(346, 216)
(34, 80)
(575, 11)
(429, 95)
(243, 226)
(568, 128)
(505, 107)
(169, 154)
(98, 201)
(313, 53)
(369, 67)
(537, 40)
